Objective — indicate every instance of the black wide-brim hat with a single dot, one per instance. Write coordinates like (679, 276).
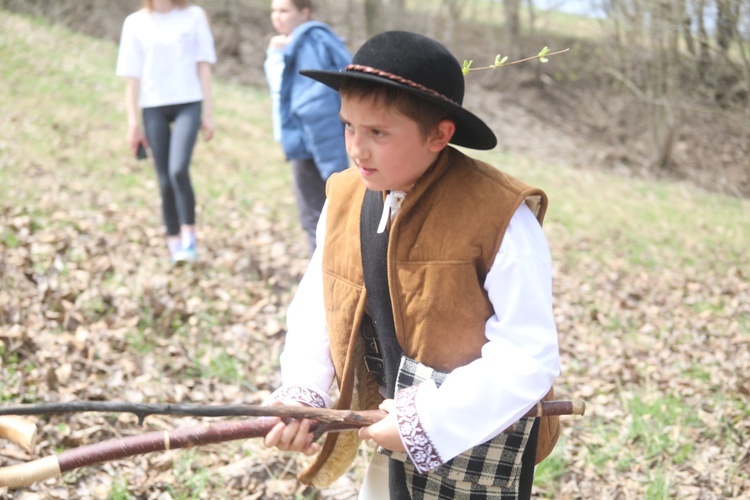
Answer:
(421, 66)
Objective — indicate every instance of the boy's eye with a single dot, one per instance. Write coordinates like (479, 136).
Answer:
(377, 133)
(348, 126)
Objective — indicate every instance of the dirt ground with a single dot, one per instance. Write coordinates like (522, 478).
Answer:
(558, 124)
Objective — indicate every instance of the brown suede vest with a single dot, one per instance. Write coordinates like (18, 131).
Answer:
(441, 247)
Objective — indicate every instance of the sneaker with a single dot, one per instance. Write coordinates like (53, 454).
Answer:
(185, 256)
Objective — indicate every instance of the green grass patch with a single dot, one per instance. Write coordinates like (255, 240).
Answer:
(551, 469)
(655, 436)
(650, 223)
(140, 340)
(195, 480)
(9, 238)
(224, 367)
(119, 490)
(656, 426)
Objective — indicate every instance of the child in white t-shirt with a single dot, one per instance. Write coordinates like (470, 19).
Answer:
(166, 53)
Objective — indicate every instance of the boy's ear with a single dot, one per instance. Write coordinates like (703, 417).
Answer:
(442, 134)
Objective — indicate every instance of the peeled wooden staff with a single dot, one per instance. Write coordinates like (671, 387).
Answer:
(18, 476)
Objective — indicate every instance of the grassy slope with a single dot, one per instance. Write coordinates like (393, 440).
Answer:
(651, 284)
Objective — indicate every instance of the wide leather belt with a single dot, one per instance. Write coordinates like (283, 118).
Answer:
(373, 358)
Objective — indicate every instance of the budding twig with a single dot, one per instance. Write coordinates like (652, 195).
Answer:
(502, 60)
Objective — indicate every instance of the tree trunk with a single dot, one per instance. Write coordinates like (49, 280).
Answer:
(726, 22)
(396, 9)
(373, 17)
(704, 56)
(512, 11)
(662, 78)
(454, 8)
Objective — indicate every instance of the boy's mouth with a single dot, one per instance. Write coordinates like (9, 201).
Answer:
(364, 171)
(363, 167)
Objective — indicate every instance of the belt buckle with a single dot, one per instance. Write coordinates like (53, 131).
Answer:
(374, 365)
(376, 368)
(371, 346)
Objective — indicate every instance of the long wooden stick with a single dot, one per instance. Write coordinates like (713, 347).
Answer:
(322, 415)
(21, 475)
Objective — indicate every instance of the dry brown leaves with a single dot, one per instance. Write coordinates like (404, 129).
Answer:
(90, 309)
(674, 339)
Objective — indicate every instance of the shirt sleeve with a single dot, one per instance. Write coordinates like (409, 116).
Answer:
(130, 55)
(206, 52)
(306, 361)
(274, 68)
(517, 366)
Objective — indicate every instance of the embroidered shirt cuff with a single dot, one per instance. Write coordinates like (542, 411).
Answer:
(418, 445)
(304, 395)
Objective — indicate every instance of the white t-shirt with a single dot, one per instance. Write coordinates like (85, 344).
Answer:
(162, 50)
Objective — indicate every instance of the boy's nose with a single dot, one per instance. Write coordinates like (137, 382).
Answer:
(355, 149)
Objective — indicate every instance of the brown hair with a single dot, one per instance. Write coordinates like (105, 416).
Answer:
(149, 4)
(303, 4)
(426, 114)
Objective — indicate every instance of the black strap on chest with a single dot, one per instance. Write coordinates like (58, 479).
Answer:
(375, 269)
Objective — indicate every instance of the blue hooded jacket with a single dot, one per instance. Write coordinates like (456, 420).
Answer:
(309, 110)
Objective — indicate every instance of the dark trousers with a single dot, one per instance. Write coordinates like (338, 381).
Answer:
(310, 195)
(528, 462)
(171, 132)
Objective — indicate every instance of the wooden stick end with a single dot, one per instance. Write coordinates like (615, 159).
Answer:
(579, 407)
(22, 475)
(18, 430)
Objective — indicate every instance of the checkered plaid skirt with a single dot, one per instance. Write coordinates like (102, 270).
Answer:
(490, 470)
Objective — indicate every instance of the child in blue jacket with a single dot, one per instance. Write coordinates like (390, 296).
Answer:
(305, 112)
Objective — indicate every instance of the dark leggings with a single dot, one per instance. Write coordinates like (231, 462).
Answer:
(171, 132)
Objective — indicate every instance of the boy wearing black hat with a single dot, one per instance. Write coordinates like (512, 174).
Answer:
(429, 294)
